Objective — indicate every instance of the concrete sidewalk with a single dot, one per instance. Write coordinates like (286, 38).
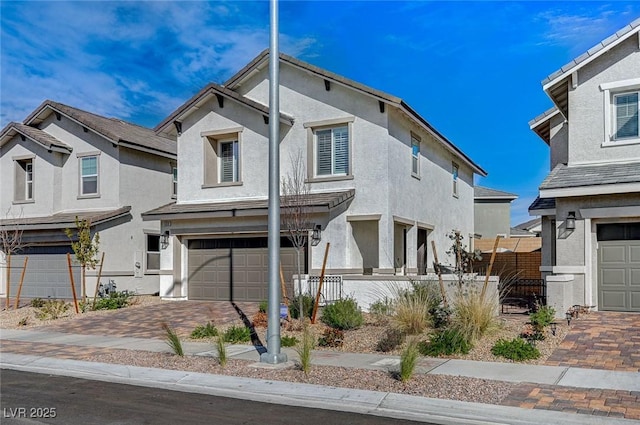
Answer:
(511, 372)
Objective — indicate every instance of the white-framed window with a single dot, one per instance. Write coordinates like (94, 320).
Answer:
(153, 252)
(174, 179)
(454, 175)
(415, 155)
(228, 161)
(23, 185)
(625, 116)
(89, 175)
(332, 151)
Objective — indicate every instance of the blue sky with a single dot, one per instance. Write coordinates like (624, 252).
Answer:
(472, 69)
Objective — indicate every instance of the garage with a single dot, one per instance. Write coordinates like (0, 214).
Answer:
(47, 274)
(619, 267)
(235, 269)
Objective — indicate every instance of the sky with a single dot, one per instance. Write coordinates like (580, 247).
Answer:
(471, 69)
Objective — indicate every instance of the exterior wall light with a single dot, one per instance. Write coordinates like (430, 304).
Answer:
(570, 223)
(316, 235)
(164, 239)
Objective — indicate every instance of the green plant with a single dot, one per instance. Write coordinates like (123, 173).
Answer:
(204, 331)
(262, 307)
(390, 339)
(236, 334)
(221, 348)
(515, 349)
(307, 306)
(331, 337)
(115, 300)
(411, 307)
(474, 315)
(543, 316)
(440, 316)
(288, 341)
(52, 309)
(304, 350)
(85, 247)
(445, 342)
(173, 340)
(382, 307)
(37, 302)
(408, 360)
(343, 314)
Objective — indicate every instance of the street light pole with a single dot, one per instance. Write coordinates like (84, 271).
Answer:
(273, 354)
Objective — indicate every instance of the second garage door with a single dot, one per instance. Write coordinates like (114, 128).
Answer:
(235, 269)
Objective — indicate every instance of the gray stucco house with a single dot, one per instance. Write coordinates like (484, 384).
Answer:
(383, 183)
(62, 162)
(590, 201)
(492, 212)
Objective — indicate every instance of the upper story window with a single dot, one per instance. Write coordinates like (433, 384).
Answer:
(222, 158)
(174, 186)
(626, 115)
(332, 151)
(415, 155)
(89, 176)
(23, 187)
(454, 175)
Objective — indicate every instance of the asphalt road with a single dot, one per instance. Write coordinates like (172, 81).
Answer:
(31, 398)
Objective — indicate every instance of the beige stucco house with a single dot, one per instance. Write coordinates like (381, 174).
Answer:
(62, 162)
(383, 183)
(590, 201)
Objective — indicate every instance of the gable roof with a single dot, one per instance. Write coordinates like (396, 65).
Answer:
(262, 60)
(38, 136)
(481, 192)
(115, 130)
(528, 225)
(219, 91)
(555, 84)
(569, 179)
(65, 220)
(540, 205)
(541, 124)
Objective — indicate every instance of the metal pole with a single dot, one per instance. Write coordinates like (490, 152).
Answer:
(273, 354)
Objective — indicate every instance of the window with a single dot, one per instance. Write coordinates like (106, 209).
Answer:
(332, 151)
(222, 162)
(153, 252)
(415, 156)
(89, 175)
(23, 189)
(228, 164)
(454, 174)
(625, 115)
(174, 190)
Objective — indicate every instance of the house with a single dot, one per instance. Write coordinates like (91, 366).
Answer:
(590, 201)
(492, 212)
(383, 183)
(528, 229)
(62, 163)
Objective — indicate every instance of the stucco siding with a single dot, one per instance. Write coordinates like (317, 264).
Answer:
(492, 218)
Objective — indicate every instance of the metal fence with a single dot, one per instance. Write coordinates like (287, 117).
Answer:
(525, 293)
(331, 288)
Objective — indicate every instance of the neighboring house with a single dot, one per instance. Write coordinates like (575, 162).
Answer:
(528, 229)
(63, 162)
(590, 201)
(383, 183)
(492, 212)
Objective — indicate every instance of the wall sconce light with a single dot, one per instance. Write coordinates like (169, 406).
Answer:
(164, 239)
(316, 235)
(570, 223)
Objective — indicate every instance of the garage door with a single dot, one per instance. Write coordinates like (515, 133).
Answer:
(619, 267)
(47, 274)
(235, 269)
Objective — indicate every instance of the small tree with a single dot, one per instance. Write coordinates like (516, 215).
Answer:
(463, 259)
(85, 248)
(10, 243)
(296, 211)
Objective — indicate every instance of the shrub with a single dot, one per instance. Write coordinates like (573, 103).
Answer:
(408, 360)
(288, 341)
(262, 307)
(440, 316)
(221, 348)
(205, 331)
(331, 337)
(391, 339)
(542, 317)
(260, 320)
(383, 307)
(172, 340)
(307, 306)
(473, 315)
(37, 302)
(116, 300)
(52, 309)
(236, 334)
(445, 342)
(304, 350)
(343, 314)
(411, 312)
(515, 349)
